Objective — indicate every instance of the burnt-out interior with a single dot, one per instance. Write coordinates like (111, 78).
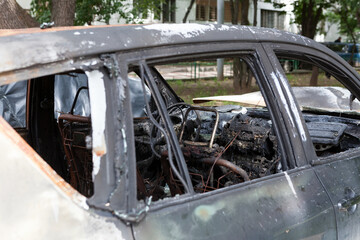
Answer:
(60, 135)
(222, 145)
(331, 113)
(332, 134)
(244, 148)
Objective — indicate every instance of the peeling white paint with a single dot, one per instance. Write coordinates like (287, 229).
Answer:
(96, 165)
(92, 63)
(98, 111)
(290, 183)
(88, 44)
(251, 30)
(293, 106)
(81, 201)
(186, 30)
(124, 137)
(227, 27)
(282, 97)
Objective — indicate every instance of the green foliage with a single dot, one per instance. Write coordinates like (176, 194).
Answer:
(88, 11)
(310, 13)
(141, 9)
(344, 13)
(40, 9)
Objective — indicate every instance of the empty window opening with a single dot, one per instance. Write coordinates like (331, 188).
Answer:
(330, 110)
(52, 114)
(225, 138)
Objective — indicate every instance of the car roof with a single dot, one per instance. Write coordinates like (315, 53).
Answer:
(21, 49)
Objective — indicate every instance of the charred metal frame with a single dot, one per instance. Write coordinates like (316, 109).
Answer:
(115, 184)
(352, 84)
(186, 52)
(183, 176)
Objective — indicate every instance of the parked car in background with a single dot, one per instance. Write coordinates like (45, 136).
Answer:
(96, 145)
(344, 50)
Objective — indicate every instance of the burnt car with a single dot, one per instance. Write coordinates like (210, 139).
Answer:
(96, 144)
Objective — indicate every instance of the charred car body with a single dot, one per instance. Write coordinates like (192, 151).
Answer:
(102, 146)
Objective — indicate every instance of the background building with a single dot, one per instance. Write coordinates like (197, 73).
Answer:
(205, 11)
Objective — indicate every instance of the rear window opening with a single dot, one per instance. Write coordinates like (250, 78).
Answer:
(330, 110)
(52, 114)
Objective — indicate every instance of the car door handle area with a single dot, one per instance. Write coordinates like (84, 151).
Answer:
(350, 202)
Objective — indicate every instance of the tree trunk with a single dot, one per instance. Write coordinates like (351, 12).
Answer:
(351, 60)
(236, 72)
(314, 76)
(358, 16)
(310, 19)
(240, 69)
(188, 11)
(255, 13)
(63, 12)
(13, 16)
(234, 7)
(245, 12)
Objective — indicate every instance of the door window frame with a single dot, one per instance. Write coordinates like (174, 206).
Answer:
(333, 60)
(185, 52)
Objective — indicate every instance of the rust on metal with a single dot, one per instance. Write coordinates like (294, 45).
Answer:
(10, 32)
(13, 136)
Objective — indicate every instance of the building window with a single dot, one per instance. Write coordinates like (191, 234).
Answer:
(206, 10)
(272, 19)
(213, 14)
(200, 12)
(169, 8)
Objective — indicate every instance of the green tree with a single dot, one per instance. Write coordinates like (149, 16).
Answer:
(347, 14)
(308, 14)
(188, 10)
(80, 12)
(241, 73)
(141, 8)
(88, 11)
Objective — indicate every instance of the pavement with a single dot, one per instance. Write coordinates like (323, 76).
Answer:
(192, 72)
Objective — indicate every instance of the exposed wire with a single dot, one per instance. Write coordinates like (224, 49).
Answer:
(152, 119)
